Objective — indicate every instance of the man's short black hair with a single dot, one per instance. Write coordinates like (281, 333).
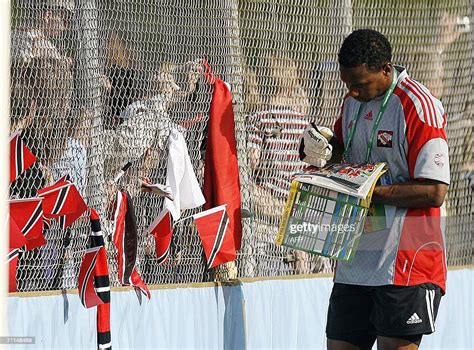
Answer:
(365, 46)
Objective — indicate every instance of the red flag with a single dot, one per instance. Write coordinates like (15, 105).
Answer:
(21, 158)
(12, 263)
(94, 283)
(17, 239)
(221, 170)
(126, 240)
(217, 240)
(87, 293)
(162, 229)
(28, 215)
(63, 202)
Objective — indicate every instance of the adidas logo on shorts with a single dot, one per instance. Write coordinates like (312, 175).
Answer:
(414, 319)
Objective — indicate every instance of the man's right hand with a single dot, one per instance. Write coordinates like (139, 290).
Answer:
(314, 145)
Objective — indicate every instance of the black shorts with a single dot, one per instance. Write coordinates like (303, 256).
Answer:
(358, 314)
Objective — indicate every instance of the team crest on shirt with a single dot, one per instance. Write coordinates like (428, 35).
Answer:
(439, 159)
(384, 138)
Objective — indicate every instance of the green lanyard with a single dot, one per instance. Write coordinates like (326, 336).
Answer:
(370, 141)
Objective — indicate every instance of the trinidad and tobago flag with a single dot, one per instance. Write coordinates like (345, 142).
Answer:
(94, 284)
(17, 242)
(63, 202)
(21, 158)
(28, 216)
(126, 240)
(216, 237)
(162, 229)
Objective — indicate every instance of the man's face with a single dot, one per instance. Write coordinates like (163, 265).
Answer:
(364, 84)
(55, 22)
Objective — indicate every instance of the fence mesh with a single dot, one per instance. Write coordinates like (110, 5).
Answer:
(82, 70)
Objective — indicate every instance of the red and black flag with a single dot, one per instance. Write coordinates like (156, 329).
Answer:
(12, 260)
(63, 202)
(126, 242)
(162, 229)
(94, 283)
(221, 170)
(17, 242)
(21, 158)
(28, 216)
(217, 240)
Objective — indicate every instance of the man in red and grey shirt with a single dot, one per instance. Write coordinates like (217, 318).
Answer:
(391, 290)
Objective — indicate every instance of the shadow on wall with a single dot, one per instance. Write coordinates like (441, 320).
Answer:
(234, 331)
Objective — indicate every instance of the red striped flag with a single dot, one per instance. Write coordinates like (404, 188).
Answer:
(87, 293)
(17, 241)
(94, 283)
(28, 216)
(216, 237)
(161, 228)
(63, 202)
(126, 240)
(21, 158)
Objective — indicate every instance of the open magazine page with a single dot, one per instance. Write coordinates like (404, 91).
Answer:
(353, 179)
(321, 221)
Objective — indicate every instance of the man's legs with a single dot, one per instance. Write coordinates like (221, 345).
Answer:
(348, 325)
(342, 345)
(383, 343)
(387, 343)
(402, 314)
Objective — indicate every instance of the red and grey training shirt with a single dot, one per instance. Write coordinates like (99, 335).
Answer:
(412, 140)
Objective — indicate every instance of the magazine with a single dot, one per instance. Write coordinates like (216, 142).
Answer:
(353, 179)
(327, 208)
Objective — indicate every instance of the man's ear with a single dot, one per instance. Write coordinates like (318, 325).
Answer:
(387, 68)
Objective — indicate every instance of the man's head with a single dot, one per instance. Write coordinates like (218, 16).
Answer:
(55, 16)
(365, 64)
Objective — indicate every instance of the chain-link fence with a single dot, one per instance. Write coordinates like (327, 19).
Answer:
(82, 71)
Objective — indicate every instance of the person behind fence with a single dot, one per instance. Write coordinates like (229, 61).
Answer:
(41, 88)
(392, 289)
(272, 142)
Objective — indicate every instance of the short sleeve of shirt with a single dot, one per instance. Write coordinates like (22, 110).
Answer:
(427, 153)
(432, 161)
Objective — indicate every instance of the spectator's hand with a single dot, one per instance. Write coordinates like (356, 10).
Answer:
(47, 175)
(160, 190)
(314, 145)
